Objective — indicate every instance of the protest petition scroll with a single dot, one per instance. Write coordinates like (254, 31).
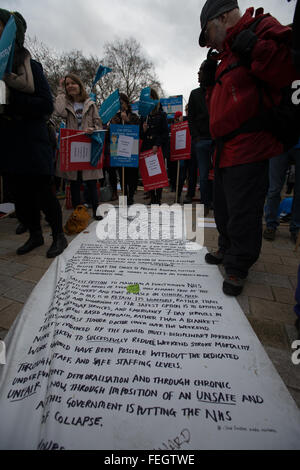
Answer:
(131, 344)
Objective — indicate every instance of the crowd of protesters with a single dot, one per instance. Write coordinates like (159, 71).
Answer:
(232, 122)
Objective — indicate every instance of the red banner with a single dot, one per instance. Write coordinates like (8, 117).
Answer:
(180, 142)
(75, 151)
(153, 170)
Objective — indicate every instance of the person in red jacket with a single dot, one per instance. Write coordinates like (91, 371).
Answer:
(251, 48)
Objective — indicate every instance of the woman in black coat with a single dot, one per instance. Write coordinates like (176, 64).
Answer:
(127, 117)
(26, 151)
(154, 133)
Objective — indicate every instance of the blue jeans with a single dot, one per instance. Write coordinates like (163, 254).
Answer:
(277, 174)
(201, 151)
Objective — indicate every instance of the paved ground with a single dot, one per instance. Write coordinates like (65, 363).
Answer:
(267, 300)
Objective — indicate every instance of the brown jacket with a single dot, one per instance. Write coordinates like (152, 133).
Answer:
(90, 118)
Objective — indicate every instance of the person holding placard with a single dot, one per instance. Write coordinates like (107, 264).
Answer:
(154, 133)
(26, 152)
(126, 116)
(184, 165)
(80, 113)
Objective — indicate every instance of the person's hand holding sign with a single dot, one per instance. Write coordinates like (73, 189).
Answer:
(89, 130)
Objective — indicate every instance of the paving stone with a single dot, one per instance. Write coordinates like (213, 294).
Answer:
(20, 292)
(270, 333)
(270, 258)
(31, 274)
(259, 267)
(293, 280)
(268, 310)
(8, 283)
(4, 303)
(268, 279)
(290, 261)
(11, 269)
(12, 244)
(9, 314)
(282, 269)
(292, 333)
(5, 251)
(30, 259)
(286, 296)
(258, 290)
(289, 372)
(269, 249)
(37, 261)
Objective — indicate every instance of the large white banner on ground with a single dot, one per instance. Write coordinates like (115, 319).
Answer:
(131, 344)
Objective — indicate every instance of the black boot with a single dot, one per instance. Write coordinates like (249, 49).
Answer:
(36, 239)
(58, 245)
(21, 228)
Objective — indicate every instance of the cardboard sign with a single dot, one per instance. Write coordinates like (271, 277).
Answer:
(180, 142)
(153, 170)
(75, 151)
(124, 146)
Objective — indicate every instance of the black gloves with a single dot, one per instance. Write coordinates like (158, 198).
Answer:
(244, 44)
(208, 69)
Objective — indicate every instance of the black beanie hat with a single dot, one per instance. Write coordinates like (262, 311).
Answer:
(20, 23)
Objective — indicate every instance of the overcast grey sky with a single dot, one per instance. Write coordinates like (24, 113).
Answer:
(168, 30)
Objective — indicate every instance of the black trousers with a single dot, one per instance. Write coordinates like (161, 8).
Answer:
(113, 180)
(91, 186)
(239, 197)
(156, 195)
(131, 181)
(34, 193)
